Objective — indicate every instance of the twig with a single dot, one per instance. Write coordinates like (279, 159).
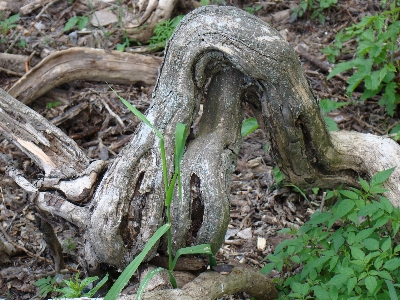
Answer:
(112, 113)
(361, 122)
(11, 72)
(44, 9)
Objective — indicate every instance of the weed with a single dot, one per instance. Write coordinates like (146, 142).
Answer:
(81, 21)
(169, 187)
(347, 252)
(163, 31)
(252, 10)
(68, 245)
(53, 104)
(377, 58)
(317, 6)
(9, 23)
(71, 288)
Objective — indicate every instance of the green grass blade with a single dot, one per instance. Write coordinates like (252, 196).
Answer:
(132, 267)
(180, 141)
(145, 281)
(198, 249)
(170, 191)
(137, 113)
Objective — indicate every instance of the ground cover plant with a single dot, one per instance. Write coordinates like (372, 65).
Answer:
(376, 62)
(349, 251)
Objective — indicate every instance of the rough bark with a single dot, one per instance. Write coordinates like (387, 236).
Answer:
(233, 56)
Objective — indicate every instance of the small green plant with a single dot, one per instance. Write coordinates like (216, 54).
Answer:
(71, 288)
(9, 23)
(68, 245)
(328, 105)
(316, 6)
(81, 21)
(163, 31)
(253, 9)
(53, 104)
(377, 61)
(347, 252)
(169, 187)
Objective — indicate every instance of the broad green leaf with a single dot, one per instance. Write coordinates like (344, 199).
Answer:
(328, 105)
(321, 293)
(267, 268)
(351, 283)
(363, 234)
(369, 209)
(71, 23)
(357, 253)
(371, 244)
(386, 245)
(302, 289)
(381, 176)
(342, 67)
(145, 281)
(338, 279)
(319, 217)
(370, 283)
(330, 124)
(343, 208)
(248, 126)
(349, 194)
(126, 275)
(333, 292)
(354, 81)
(364, 184)
(392, 264)
(385, 275)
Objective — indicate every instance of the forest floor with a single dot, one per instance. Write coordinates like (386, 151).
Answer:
(260, 208)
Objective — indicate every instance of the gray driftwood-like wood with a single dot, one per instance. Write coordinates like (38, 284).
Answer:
(226, 56)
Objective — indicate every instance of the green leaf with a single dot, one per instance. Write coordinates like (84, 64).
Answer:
(385, 275)
(145, 281)
(386, 245)
(369, 209)
(392, 291)
(197, 249)
(180, 141)
(97, 287)
(342, 67)
(392, 264)
(349, 194)
(319, 217)
(126, 275)
(170, 191)
(343, 208)
(71, 23)
(321, 293)
(330, 124)
(138, 114)
(338, 279)
(371, 283)
(328, 105)
(364, 184)
(357, 253)
(363, 234)
(248, 126)
(351, 283)
(371, 244)
(381, 177)
(302, 289)
(354, 81)
(267, 268)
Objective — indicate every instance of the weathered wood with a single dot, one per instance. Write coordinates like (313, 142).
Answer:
(217, 55)
(85, 64)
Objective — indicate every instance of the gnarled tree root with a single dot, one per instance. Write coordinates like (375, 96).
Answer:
(215, 55)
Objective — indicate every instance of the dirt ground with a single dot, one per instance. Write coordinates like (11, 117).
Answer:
(259, 207)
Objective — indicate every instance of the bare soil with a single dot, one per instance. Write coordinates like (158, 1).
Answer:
(260, 208)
